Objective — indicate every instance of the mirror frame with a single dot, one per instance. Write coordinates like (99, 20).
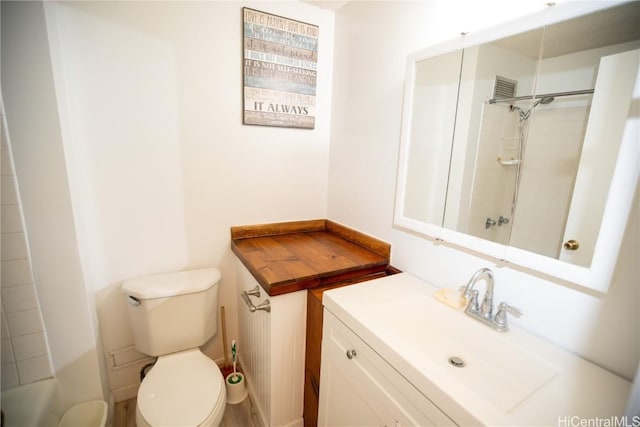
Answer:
(597, 276)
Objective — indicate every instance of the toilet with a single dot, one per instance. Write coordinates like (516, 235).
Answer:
(172, 315)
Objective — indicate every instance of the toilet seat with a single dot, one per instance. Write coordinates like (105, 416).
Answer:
(185, 389)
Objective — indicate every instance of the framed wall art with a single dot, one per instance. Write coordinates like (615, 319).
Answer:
(280, 70)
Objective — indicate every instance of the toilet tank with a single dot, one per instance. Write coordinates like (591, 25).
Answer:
(174, 311)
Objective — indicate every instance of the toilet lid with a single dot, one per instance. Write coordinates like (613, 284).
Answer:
(181, 389)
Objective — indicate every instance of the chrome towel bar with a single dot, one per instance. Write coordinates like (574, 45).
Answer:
(255, 292)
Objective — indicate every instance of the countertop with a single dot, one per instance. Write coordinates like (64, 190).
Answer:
(292, 256)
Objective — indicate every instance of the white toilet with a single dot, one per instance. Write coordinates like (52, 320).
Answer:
(172, 315)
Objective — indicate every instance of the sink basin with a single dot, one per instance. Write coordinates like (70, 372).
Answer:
(512, 378)
(494, 368)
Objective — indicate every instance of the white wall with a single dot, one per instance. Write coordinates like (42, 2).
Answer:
(159, 165)
(375, 39)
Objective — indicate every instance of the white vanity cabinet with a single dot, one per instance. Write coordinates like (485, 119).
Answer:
(401, 373)
(359, 388)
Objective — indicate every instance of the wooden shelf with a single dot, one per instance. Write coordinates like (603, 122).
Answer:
(291, 256)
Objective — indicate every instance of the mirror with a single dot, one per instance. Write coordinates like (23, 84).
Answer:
(514, 141)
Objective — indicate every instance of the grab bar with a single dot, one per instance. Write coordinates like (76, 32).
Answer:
(255, 292)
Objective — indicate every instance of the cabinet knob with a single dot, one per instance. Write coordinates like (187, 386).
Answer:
(351, 354)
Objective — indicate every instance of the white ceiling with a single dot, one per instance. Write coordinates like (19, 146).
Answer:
(326, 4)
(607, 27)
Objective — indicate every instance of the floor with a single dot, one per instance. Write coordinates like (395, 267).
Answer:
(238, 415)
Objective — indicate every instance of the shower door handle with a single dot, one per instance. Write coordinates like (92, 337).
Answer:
(255, 292)
(571, 245)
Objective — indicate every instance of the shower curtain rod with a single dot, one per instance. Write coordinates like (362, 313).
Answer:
(542, 95)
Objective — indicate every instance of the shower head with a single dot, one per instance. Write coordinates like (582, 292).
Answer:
(544, 101)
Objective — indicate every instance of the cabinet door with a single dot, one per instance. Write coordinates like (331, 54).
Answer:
(361, 389)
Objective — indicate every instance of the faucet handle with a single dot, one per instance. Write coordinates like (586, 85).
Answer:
(501, 315)
(473, 302)
(471, 297)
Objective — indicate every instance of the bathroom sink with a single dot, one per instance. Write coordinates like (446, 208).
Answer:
(480, 358)
(474, 374)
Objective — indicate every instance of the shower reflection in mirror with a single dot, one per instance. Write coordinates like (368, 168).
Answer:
(528, 128)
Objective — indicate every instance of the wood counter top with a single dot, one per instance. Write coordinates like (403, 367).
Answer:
(291, 256)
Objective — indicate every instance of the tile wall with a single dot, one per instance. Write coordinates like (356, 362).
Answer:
(553, 149)
(25, 356)
(494, 183)
(552, 153)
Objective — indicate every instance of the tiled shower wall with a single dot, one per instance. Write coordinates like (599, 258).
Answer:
(554, 146)
(494, 184)
(552, 153)
(25, 356)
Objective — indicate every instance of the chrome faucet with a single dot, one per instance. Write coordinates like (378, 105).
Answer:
(484, 312)
(468, 292)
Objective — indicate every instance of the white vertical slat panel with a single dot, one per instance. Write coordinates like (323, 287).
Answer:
(255, 341)
(288, 333)
(272, 353)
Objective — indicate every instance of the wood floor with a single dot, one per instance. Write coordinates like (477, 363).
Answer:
(238, 415)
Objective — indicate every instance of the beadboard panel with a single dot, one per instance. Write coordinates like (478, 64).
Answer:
(271, 352)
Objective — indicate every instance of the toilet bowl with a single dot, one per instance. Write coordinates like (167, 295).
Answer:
(182, 389)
